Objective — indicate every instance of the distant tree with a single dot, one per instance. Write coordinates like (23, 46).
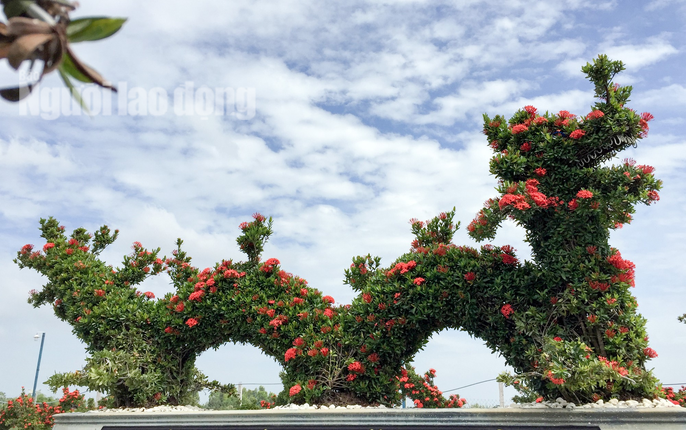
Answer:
(250, 399)
(40, 398)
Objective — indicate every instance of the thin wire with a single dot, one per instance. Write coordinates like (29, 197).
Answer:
(258, 383)
(465, 386)
(674, 384)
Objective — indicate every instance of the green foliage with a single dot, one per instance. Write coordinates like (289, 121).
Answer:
(93, 28)
(251, 399)
(565, 321)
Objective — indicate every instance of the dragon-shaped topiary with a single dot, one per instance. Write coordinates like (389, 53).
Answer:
(565, 321)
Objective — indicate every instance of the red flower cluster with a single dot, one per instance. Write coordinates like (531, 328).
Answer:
(584, 194)
(356, 367)
(507, 310)
(294, 390)
(614, 365)
(402, 268)
(595, 115)
(554, 380)
(519, 128)
(518, 201)
(196, 296)
(643, 123)
(650, 352)
(191, 322)
(508, 259)
(290, 354)
(577, 134)
(269, 265)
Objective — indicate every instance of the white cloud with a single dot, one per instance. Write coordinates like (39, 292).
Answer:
(367, 114)
(639, 56)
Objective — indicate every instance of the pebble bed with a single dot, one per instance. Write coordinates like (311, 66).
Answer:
(558, 404)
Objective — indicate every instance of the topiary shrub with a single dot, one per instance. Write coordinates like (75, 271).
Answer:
(565, 321)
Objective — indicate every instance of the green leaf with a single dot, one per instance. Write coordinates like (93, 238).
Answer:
(74, 92)
(93, 28)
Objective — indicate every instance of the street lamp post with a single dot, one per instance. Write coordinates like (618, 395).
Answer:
(40, 354)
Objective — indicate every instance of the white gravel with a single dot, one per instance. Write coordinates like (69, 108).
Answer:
(611, 404)
(306, 406)
(558, 404)
(155, 409)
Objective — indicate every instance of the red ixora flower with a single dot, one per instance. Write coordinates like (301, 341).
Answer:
(577, 134)
(584, 194)
(149, 294)
(540, 171)
(519, 128)
(557, 339)
(554, 380)
(324, 351)
(650, 352)
(191, 322)
(469, 276)
(196, 296)
(595, 114)
(516, 200)
(356, 367)
(328, 299)
(507, 310)
(294, 390)
(508, 259)
(48, 246)
(418, 281)
(290, 354)
(526, 147)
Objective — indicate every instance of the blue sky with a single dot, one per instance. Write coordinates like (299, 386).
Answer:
(367, 113)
